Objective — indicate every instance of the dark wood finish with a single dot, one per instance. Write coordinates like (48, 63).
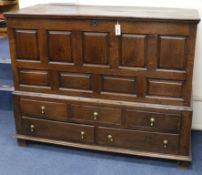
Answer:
(34, 77)
(152, 121)
(146, 13)
(79, 84)
(58, 131)
(119, 85)
(95, 48)
(180, 158)
(183, 164)
(27, 44)
(139, 140)
(22, 142)
(44, 109)
(133, 49)
(60, 46)
(121, 57)
(172, 52)
(97, 114)
(165, 88)
(74, 81)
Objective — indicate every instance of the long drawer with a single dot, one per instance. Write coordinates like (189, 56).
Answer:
(139, 140)
(58, 130)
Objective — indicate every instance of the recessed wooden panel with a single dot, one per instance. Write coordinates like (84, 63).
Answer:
(34, 77)
(172, 52)
(60, 46)
(165, 88)
(95, 48)
(27, 44)
(133, 49)
(119, 85)
(75, 81)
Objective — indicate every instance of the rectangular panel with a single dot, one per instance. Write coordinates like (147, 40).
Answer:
(44, 109)
(98, 114)
(140, 140)
(60, 46)
(165, 88)
(133, 50)
(75, 81)
(172, 52)
(152, 121)
(95, 48)
(58, 130)
(27, 44)
(119, 85)
(34, 77)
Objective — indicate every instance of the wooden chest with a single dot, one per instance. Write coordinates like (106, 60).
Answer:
(104, 78)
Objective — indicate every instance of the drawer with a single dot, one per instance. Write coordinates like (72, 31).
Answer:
(152, 121)
(99, 114)
(44, 109)
(140, 140)
(58, 130)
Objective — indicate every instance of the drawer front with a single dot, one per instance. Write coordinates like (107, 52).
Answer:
(99, 114)
(58, 130)
(140, 140)
(44, 109)
(152, 121)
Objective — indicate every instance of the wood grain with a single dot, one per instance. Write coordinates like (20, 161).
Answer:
(79, 84)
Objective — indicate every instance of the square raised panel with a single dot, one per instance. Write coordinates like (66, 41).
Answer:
(165, 88)
(74, 81)
(34, 77)
(133, 50)
(60, 46)
(95, 48)
(122, 85)
(172, 52)
(27, 44)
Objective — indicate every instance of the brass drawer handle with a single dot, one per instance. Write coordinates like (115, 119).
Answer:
(165, 143)
(82, 135)
(152, 121)
(32, 128)
(43, 108)
(95, 115)
(110, 138)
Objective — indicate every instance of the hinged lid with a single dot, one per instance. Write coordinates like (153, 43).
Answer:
(118, 12)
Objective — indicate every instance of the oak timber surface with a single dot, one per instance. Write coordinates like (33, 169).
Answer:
(70, 10)
(77, 81)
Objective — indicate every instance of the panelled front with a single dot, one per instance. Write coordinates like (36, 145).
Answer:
(80, 83)
(147, 63)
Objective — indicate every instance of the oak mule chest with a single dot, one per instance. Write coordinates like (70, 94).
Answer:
(116, 79)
